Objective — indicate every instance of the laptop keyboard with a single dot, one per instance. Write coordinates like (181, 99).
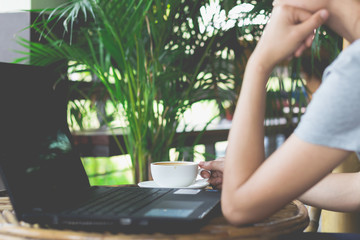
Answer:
(119, 201)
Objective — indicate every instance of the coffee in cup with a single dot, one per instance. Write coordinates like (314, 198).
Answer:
(174, 174)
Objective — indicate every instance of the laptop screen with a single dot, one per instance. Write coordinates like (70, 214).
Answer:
(38, 162)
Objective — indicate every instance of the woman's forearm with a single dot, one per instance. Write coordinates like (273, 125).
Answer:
(336, 192)
(245, 151)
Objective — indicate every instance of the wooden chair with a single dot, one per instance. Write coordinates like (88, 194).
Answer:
(314, 216)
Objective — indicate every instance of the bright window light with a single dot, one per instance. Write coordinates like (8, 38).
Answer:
(14, 6)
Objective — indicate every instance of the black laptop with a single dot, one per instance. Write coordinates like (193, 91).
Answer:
(45, 178)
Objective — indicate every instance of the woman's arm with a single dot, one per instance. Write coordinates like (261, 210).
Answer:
(253, 189)
(336, 192)
(285, 175)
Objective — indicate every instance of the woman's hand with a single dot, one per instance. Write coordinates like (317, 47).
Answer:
(215, 175)
(288, 33)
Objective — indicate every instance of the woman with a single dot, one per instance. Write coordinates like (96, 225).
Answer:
(253, 189)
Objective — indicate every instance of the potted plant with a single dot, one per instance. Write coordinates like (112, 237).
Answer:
(151, 69)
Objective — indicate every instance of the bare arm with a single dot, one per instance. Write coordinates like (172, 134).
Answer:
(285, 175)
(336, 192)
(253, 189)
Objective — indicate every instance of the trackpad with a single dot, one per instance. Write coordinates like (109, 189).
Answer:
(179, 209)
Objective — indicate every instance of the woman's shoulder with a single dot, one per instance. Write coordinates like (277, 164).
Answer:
(349, 57)
(346, 65)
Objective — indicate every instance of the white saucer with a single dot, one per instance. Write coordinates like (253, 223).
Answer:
(201, 183)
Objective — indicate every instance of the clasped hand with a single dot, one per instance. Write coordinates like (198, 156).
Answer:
(288, 33)
(214, 172)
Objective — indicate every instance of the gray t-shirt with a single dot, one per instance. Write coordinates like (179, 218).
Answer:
(333, 116)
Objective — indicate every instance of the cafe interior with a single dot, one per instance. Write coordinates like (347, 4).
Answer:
(151, 82)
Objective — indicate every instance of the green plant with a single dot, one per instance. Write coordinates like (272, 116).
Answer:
(146, 60)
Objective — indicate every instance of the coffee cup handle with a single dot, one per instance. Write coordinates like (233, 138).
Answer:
(202, 169)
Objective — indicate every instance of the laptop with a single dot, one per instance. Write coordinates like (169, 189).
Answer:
(45, 178)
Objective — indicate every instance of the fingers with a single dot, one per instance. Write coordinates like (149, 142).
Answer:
(308, 24)
(215, 175)
(307, 43)
(216, 165)
(216, 179)
(310, 39)
(300, 50)
(216, 183)
(212, 165)
(304, 26)
(205, 174)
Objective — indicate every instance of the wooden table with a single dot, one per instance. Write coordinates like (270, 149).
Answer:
(291, 219)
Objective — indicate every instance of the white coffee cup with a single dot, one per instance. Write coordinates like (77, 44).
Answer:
(174, 174)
